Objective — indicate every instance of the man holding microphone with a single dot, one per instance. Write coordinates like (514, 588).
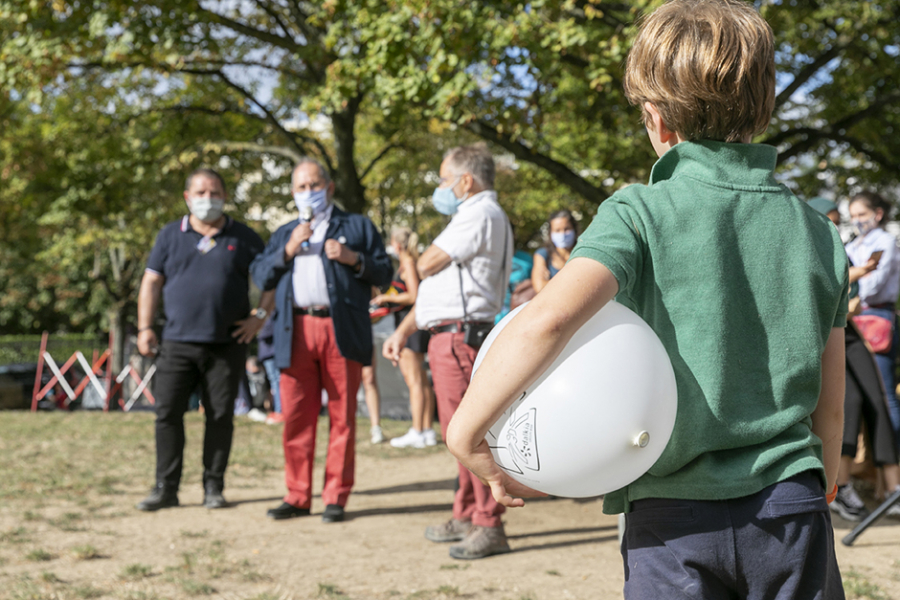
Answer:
(322, 268)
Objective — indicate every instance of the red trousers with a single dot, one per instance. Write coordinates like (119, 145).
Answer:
(317, 363)
(451, 361)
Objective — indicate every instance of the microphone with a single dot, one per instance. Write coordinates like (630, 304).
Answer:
(306, 215)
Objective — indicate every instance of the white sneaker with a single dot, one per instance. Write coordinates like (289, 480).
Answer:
(411, 439)
(257, 415)
(430, 437)
(377, 434)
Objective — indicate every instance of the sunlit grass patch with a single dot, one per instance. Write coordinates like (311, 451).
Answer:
(39, 555)
(86, 552)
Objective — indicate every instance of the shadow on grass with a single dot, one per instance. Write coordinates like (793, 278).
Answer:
(423, 486)
(255, 500)
(397, 510)
(581, 530)
(566, 544)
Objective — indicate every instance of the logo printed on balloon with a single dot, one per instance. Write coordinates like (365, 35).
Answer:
(521, 443)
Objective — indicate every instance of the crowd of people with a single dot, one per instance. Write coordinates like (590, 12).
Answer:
(766, 360)
(871, 338)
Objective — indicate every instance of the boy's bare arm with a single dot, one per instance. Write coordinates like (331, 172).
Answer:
(828, 418)
(520, 354)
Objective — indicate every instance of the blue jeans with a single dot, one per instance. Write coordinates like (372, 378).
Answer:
(886, 364)
(274, 375)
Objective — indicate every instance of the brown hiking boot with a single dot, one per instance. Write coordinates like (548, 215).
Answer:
(480, 543)
(451, 531)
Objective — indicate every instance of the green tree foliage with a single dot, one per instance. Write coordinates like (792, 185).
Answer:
(106, 104)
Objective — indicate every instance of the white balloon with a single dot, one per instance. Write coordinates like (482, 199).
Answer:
(598, 418)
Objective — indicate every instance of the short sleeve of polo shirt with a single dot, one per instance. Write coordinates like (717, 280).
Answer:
(613, 240)
(840, 319)
(157, 260)
(462, 238)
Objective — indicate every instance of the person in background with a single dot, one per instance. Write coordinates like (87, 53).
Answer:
(256, 386)
(266, 355)
(200, 266)
(878, 289)
(412, 358)
(874, 277)
(864, 401)
(322, 270)
(553, 256)
(373, 400)
(464, 276)
(520, 288)
(827, 208)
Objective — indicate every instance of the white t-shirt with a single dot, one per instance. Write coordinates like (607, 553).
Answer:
(310, 285)
(479, 240)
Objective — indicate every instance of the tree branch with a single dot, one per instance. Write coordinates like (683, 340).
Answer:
(816, 136)
(292, 138)
(807, 72)
(380, 155)
(561, 172)
(275, 17)
(844, 123)
(263, 36)
(258, 148)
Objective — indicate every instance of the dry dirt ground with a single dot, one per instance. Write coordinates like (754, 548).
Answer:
(68, 483)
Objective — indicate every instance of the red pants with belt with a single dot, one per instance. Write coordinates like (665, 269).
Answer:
(451, 361)
(316, 363)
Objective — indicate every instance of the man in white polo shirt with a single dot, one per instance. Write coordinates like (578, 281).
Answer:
(464, 276)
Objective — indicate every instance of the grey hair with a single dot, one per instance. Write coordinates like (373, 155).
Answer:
(206, 172)
(323, 172)
(475, 160)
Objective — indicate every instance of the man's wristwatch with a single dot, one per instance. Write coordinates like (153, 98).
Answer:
(260, 313)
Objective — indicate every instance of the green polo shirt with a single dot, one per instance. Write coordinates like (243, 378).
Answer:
(743, 283)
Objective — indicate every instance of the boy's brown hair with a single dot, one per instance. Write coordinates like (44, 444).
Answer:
(708, 66)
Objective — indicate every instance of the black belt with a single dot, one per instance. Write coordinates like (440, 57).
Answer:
(312, 311)
(457, 326)
(885, 306)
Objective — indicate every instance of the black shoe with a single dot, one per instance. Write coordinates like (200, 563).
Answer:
(333, 514)
(212, 496)
(286, 511)
(160, 497)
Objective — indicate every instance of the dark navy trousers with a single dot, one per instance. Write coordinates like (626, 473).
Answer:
(777, 544)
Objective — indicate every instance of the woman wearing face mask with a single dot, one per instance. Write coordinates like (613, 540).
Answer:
(553, 256)
(878, 290)
(412, 358)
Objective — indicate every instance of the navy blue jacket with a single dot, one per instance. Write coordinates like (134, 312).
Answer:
(349, 292)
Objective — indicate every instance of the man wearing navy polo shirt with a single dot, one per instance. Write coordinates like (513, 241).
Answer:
(200, 266)
(322, 268)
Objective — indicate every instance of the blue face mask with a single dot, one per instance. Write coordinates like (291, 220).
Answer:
(563, 239)
(445, 201)
(317, 200)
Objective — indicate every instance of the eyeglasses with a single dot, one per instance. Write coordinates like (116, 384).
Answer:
(444, 180)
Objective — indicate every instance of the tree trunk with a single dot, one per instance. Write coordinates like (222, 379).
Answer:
(349, 190)
(118, 359)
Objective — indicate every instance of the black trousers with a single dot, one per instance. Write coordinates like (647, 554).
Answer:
(864, 401)
(181, 368)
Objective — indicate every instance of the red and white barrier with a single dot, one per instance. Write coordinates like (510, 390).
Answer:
(106, 389)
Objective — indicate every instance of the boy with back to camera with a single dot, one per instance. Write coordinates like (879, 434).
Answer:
(746, 287)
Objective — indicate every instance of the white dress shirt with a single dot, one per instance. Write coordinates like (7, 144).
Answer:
(310, 285)
(882, 285)
(479, 240)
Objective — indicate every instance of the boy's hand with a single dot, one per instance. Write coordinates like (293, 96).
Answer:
(506, 490)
